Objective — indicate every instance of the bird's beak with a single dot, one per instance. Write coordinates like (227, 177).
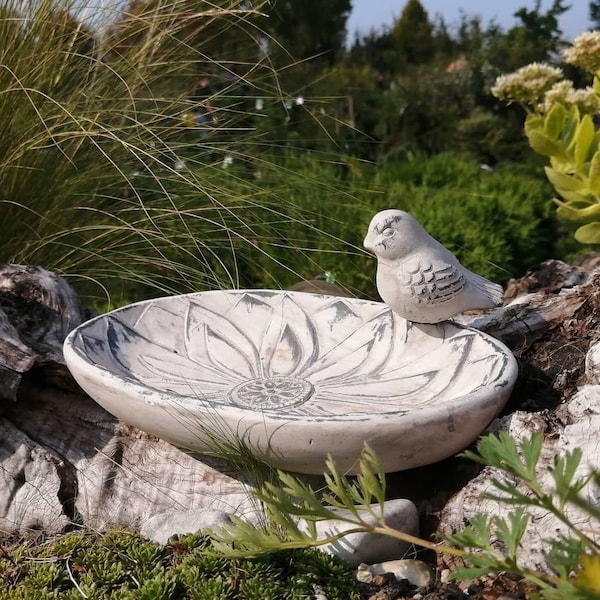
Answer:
(368, 245)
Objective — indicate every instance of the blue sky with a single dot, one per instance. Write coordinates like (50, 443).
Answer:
(369, 14)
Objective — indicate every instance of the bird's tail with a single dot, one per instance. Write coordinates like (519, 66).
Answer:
(487, 288)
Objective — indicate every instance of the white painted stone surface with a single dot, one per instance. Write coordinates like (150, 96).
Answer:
(364, 547)
(416, 571)
(160, 528)
(297, 376)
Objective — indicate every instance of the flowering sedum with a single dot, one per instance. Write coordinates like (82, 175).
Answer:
(585, 99)
(585, 51)
(527, 85)
(561, 125)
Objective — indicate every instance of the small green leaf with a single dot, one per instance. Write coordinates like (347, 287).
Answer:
(555, 121)
(501, 451)
(339, 485)
(563, 473)
(563, 164)
(583, 140)
(545, 146)
(533, 123)
(476, 535)
(594, 174)
(371, 477)
(570, 128)
(589, 234)
(563, 181)
(575, 212)
(532, 449)
(575, 200)
(510, 494)
(511, 531)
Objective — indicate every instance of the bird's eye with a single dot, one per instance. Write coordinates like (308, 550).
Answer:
(387, 232)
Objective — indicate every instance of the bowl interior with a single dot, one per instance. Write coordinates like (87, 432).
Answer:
(289, 355)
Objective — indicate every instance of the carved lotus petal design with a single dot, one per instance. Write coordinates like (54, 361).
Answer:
(298, 376)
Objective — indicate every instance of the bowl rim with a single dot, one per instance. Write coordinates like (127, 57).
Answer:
(75, 356)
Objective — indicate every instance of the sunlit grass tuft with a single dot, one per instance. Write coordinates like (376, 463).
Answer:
(100, 178)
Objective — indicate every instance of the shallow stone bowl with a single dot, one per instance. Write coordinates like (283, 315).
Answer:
(296, 376)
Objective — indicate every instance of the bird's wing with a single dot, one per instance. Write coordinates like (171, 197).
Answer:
(432, 281)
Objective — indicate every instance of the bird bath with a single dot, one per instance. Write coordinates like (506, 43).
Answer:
(297, 376)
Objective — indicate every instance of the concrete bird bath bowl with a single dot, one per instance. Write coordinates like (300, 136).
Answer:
(297, 376)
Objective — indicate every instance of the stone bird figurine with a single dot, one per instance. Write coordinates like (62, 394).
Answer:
(417, 277)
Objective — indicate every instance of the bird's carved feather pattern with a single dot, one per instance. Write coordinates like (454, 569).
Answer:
(420, 279)
(432, 282)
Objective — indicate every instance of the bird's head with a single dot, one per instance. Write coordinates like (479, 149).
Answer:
(393, 234)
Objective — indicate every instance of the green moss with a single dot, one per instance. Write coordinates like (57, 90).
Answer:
(121, 565)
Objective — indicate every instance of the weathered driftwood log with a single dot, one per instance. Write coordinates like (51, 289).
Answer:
(64, 460)
(550, 319)
(37, 310)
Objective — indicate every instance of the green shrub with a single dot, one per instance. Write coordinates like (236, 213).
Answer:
(499, 223)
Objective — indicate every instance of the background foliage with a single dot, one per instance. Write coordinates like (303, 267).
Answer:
(106, 179)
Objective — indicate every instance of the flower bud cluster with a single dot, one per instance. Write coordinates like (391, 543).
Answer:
(585, 51)
(586, 99)
(539, 85)
(527, 85)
